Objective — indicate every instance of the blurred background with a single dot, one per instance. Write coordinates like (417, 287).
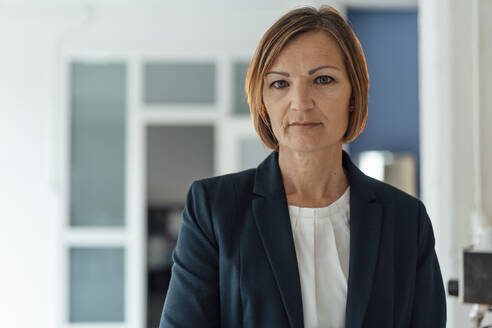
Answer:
(110, 109)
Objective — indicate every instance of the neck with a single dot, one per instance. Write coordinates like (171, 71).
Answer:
(312, 179)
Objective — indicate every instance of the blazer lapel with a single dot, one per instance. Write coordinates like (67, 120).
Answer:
(273, 223)
(365, 230)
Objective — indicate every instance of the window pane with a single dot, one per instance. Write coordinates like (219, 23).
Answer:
(177, 155)
(240, 102)
(97, 286)
(97, 167)
(253, 152)
(189, 83)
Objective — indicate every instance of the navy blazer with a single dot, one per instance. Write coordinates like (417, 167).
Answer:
(235, 263)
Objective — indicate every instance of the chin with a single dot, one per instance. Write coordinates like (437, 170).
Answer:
(305, 148)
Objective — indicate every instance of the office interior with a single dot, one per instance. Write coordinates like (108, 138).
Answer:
(109, 110)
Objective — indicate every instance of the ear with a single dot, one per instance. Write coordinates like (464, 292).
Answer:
(352, 104)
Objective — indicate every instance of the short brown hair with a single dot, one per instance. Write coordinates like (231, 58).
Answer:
(289, 26)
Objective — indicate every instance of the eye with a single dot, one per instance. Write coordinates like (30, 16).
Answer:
(323, 79)
(279, 84)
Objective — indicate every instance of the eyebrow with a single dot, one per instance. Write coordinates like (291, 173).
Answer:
(314, 70)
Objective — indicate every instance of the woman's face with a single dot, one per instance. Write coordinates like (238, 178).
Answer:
(308, 83)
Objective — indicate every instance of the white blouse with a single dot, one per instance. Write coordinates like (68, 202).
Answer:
(322, 242)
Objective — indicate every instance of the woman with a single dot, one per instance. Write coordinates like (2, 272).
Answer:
(305, 239)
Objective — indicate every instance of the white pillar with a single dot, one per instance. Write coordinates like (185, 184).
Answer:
(445, 42)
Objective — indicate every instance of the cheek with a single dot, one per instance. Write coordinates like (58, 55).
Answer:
(276, 119)
(275, 110)
(273, 102)
(336, 102)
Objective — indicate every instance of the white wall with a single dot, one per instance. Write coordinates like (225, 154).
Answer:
(486, 102)
(447, 129)
(32, 36)
(27, 189)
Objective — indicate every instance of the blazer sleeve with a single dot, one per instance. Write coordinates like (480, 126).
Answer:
(193, 295)
(429, 303)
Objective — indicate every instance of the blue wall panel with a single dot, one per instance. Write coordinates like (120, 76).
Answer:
(390, 43)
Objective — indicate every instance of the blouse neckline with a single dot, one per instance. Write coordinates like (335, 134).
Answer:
(335, 208)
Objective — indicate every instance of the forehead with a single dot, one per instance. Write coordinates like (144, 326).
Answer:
(307, 49)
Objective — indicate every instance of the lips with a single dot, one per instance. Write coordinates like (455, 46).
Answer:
(304, 123)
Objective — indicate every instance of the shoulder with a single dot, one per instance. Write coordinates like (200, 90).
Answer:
(408, 212)
(222, 192)
(226, 184)
(217, 199)
(390, 195)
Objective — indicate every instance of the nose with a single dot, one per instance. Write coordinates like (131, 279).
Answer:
(301, 98)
